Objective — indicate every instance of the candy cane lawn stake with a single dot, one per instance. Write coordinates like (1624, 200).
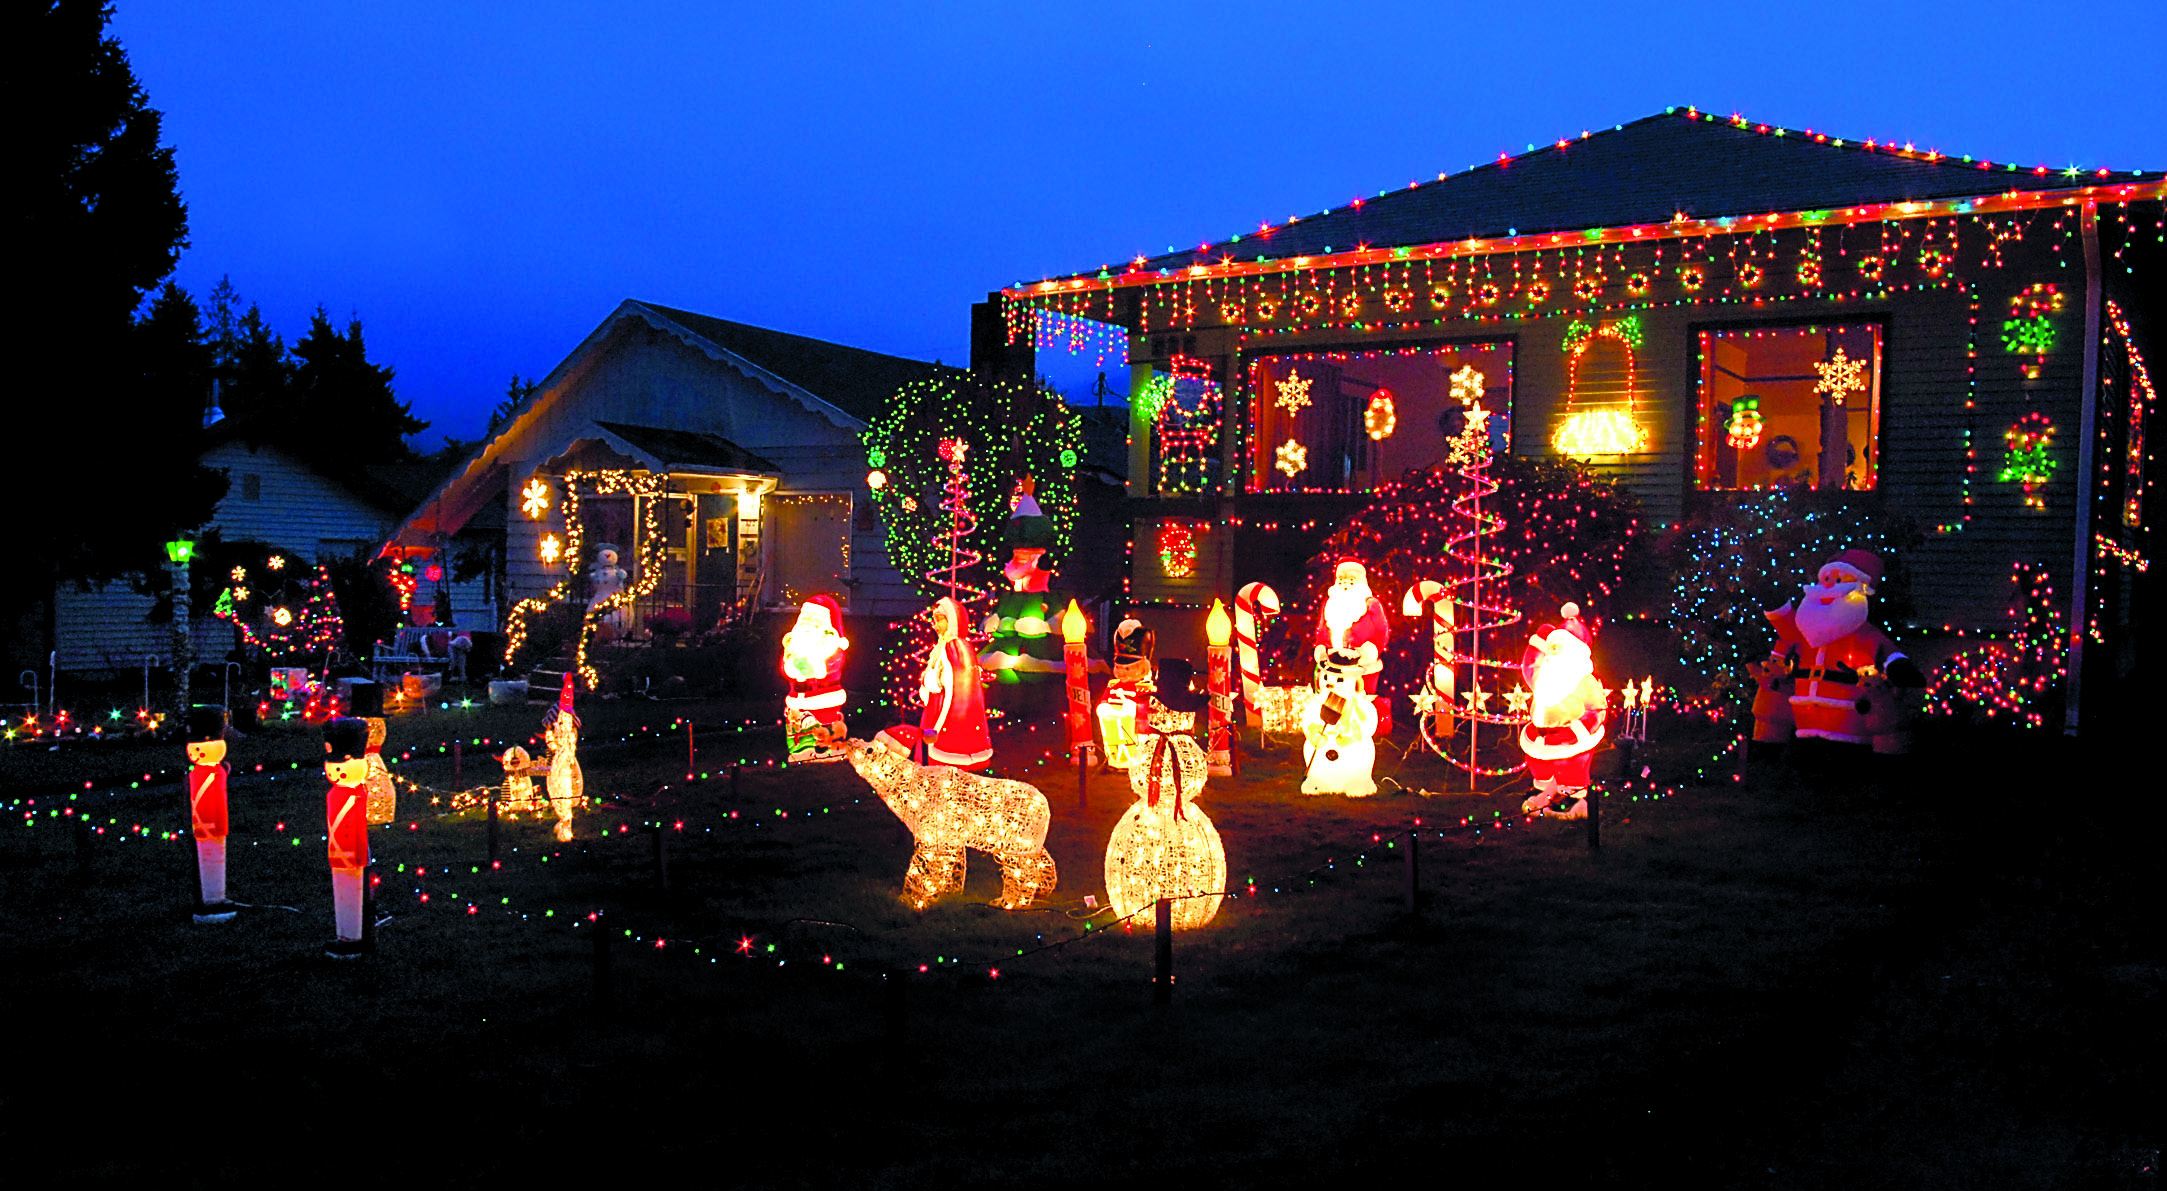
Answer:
(1247, 602)
(1439, 699)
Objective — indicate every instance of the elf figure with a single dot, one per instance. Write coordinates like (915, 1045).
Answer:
(207, 770)
(567, 786)
(813, 652)
(1352, 633)
(1829, 650)
(366, 703)
(1022, 650)
(346, 763)
(954, 723)
(1565, 716)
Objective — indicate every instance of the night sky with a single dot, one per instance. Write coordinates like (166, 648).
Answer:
(482, 184)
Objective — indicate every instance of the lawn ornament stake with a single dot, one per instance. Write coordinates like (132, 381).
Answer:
(207, 770)
(1565, 716)
(948, 810)
(1339, 734)
(346, 763)
(567, 785)
(813, 652)
(1164, 846)
(1828, 649)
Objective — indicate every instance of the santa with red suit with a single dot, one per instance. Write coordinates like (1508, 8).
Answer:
(1352, 632)
(813, 652)
(207, 771)
(1829, 650)
(1565, 715)
(346, 763)
(954, 723)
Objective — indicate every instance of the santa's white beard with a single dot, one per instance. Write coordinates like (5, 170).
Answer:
(1833, 621)
(1343, 607)
(1556, 678)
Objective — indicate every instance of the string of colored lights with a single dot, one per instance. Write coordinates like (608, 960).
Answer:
(2010, 680)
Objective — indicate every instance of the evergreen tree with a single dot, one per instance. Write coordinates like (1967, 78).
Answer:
(336, 385)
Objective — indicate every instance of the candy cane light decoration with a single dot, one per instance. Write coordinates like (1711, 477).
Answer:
(1251, 599)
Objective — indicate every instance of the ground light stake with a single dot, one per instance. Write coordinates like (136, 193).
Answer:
(1162, 984)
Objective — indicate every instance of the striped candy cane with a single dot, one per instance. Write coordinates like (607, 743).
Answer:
(1431, 592)
(1247, 602)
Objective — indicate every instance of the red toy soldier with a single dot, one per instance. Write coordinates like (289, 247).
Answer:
(207, 811)
(1565, 716)
(954, 722)
(1830, 650)
(346, 763)
(1352, 632)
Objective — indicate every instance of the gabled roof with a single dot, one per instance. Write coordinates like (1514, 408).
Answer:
(683, 450)
(855, 380)
(362, 480)
(1650, 171)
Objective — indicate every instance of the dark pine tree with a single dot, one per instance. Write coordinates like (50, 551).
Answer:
(336, 387)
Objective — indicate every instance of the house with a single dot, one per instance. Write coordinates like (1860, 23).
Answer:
(721, 462)
(1702, 306)
(272, 497)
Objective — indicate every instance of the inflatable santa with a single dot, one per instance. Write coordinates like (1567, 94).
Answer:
(813, 652)
(954, 723)
(346, 763)
(1352, 633)
(207, 770)
(1565, 715)
(1828, 651)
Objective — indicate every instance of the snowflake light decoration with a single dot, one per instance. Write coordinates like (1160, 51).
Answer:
(239, 573)
(1467, 384)
(1293, 394)
(534, 498)
(1293, 458)
(551, 549)
(1840, 375)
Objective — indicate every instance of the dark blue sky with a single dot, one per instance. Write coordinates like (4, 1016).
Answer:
(483, 183)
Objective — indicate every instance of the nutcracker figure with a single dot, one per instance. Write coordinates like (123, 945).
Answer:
(207, 770)
(346, 764)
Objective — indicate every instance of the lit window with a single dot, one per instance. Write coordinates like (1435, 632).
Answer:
(1790, 407)
(1348, 421)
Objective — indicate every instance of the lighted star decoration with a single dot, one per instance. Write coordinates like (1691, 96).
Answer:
(1516, 701)
(239, 573)
(1475, 700)
(1467, 384)
(534, 498)
(1425, 701)
(551, 549)
(240, 595)
(1293, 395)
(1293, 457)
(276, 562)
(1839, 376)
(1472, 444)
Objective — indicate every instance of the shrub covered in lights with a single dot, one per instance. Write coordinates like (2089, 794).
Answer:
(1013, 429)
(1737, 557)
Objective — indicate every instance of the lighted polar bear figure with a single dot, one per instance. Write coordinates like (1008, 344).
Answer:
(1339, 734)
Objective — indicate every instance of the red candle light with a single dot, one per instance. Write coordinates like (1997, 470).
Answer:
(1219, 631)
(1075, 663)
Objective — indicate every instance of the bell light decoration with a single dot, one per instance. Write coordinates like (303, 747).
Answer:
(949, 810)
(1164, 846)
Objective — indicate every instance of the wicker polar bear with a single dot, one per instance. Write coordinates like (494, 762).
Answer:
(948, 810)
(1339, 734)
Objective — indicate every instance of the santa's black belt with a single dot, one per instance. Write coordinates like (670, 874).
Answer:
(1843, 674)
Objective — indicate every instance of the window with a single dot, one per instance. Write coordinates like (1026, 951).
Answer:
(1789, 407)
(1349, 421)
(809, 546)
(251, 486)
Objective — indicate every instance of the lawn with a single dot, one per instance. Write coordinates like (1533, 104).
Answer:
(1942, 975)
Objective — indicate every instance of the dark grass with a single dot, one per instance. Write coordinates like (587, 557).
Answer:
(1945, 976)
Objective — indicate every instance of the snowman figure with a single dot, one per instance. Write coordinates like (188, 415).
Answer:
(1339, 733)
(608, 579)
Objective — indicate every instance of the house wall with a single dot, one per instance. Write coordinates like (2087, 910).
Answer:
(647, 378)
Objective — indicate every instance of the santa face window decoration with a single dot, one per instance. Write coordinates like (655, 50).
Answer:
(1350, 421)
(1789, 407)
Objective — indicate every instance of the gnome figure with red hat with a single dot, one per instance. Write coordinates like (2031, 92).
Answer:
(1565, 715)
(207, 771)
(1352, 633)
(813, 652)
(566, 784)
(346, 763)
(1827, 649)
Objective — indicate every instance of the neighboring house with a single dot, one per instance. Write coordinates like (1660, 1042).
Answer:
(271, 497)
(722, 461)
(1701, 306)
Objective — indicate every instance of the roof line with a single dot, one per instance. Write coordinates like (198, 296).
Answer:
(720, 354)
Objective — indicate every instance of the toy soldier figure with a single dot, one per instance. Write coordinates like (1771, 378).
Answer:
(346, 763)
(207, 771)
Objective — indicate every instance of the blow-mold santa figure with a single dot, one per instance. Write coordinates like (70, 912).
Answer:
(346, 763)
(207, 770)
(1565, 716)
(1829, 650)
(813, 652)
(1352, 633)
(954, 723)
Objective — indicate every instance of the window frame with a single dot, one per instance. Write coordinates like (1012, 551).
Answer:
(1702, 405)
